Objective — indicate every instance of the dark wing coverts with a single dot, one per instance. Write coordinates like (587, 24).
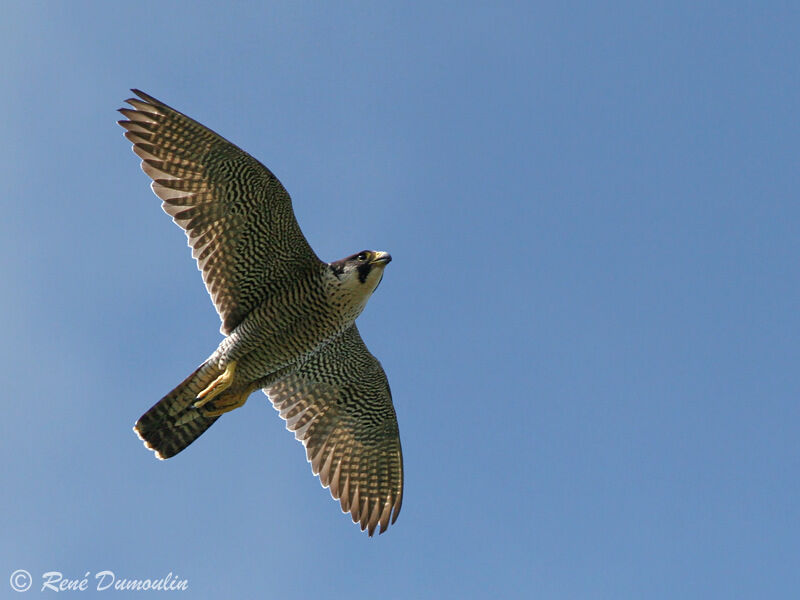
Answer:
(339, 405)
(237, 215)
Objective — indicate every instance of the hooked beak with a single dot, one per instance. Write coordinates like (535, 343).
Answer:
(381, 258)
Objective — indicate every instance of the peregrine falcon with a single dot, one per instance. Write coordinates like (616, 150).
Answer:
(288, 317)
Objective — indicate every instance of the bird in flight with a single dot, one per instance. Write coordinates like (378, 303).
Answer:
(288, 317)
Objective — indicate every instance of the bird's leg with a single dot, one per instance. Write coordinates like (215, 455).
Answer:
(216, 387)
(228, 402)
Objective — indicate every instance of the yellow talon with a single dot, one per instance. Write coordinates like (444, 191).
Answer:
(216, 387)
(223, 405)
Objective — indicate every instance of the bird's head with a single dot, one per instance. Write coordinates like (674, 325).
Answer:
(361, 273)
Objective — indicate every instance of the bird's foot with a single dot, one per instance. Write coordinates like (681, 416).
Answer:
(225, 403)
(216, 387)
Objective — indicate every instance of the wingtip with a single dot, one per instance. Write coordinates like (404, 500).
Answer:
(147, 97)
(396, 512)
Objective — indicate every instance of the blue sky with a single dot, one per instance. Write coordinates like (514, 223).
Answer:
(590, 325)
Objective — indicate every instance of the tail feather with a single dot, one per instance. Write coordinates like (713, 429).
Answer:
(173, 422)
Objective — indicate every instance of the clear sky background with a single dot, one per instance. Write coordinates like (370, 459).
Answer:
(590, 326)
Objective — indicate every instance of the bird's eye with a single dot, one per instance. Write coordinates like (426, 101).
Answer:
(362, 257)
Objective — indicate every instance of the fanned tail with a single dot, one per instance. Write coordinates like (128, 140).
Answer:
(173, 422)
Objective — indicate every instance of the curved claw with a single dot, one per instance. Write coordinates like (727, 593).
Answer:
(216, 387)
(226, 403)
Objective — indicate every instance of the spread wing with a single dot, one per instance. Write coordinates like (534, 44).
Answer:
(237, 215)
(339, 405)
